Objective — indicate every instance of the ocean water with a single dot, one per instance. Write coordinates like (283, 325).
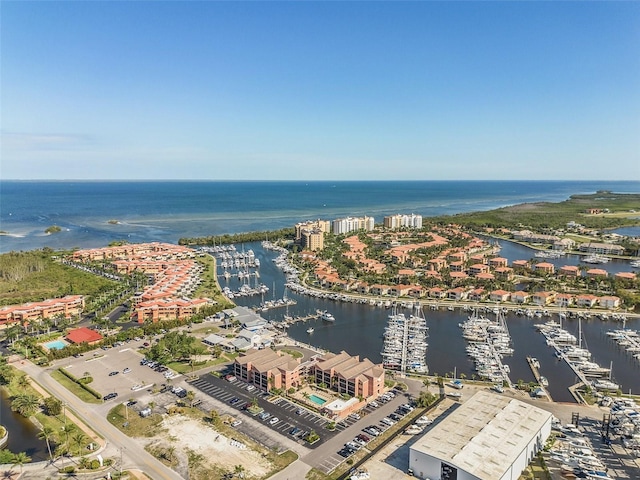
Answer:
(167, 211)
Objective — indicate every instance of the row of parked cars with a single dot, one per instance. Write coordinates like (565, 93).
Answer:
(371, 431)
(158, 367)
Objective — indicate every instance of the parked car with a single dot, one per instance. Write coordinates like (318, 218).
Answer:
(109, 396)
(274, 420)
(111, 374)
(126, 370)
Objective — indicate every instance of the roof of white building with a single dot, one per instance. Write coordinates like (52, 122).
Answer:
(485, 435)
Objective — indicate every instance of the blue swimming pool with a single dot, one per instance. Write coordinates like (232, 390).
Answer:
(55, 345)
(317, 400)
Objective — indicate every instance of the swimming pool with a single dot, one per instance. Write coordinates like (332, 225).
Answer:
(55, 345)
(317, 400)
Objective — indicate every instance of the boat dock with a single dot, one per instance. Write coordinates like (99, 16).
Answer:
(288, 320)
(534, 365)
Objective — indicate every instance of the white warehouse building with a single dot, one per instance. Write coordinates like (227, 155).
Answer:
(489, 437)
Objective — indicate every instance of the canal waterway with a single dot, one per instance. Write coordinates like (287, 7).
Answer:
(23, 435)
(358, 330)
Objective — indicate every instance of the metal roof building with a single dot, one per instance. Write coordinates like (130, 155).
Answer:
(489, 437)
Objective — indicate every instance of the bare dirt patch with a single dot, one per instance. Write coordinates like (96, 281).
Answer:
(196, 450)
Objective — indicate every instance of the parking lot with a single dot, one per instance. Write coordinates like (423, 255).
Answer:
(294, 422)
(278, 413)
(115, 370)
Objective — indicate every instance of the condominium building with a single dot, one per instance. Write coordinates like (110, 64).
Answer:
(347, 374)
(268, 369)
(602, 248)
(352, 224)
(67, 307)
(312, 240)
(323, 226)
(400, 220)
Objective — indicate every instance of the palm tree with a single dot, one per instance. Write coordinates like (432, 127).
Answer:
(20, 459)
(25, 405)
(79, 438)
(45, 434)
(23, 382)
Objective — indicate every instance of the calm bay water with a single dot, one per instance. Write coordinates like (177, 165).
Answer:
(22, 433)
(167, 211)
(358, 330)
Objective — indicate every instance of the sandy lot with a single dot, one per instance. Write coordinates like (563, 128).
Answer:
(186, 434)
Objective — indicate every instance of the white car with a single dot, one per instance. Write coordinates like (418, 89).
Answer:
(126, 370)
(274, 420)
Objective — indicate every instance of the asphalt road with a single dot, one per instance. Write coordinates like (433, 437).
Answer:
(118, 444)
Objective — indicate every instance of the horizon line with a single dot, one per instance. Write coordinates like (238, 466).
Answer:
(307, 180)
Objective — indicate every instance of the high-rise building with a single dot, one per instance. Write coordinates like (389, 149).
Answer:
(352, 224)
(322, 225)
(400, 220)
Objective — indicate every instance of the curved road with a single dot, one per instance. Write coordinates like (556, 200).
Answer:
(134, 456)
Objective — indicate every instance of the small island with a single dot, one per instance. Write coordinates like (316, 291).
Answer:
(113, 222)
(53, 229)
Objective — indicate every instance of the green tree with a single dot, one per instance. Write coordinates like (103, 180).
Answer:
(46, 434)
(79, 438)
(20, 459)
(23, 382)
(26, 405)
(53, 406)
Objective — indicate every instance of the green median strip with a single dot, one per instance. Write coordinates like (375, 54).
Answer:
(74, 388)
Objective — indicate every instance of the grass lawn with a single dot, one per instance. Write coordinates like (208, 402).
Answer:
(205, 329)
(292, 352)
(132, 424)
(74, 388)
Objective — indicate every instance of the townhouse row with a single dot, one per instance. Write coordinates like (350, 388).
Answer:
(66, 307)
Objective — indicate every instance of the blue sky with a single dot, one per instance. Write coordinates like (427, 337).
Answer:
(315, 91)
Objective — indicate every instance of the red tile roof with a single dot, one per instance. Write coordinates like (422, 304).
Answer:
(83, 334)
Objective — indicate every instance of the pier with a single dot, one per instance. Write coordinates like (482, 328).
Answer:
(535, 369)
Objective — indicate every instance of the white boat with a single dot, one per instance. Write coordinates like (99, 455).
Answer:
(596, 259)
(635, 264)
(310, 330)
(327, 316)
(413, 430)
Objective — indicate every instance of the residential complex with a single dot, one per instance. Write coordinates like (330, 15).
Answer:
(341, 373)
(403, 220)
(351, 224)
(172, 270)
(65, 307)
